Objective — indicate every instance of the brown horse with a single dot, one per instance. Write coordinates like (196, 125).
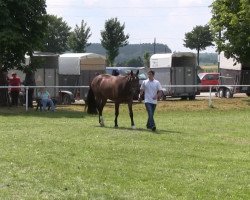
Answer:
(119, 89)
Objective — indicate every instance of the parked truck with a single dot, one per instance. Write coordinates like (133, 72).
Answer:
(232, 73)
(178, 68)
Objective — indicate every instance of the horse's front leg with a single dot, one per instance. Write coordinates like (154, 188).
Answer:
(131, 115)
(116, 114)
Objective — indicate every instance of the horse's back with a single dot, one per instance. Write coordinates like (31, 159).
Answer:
(103, 81)
(110, 87)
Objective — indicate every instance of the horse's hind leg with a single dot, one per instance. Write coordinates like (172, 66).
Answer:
(101, 121)
(131, 115)
(101, 105)
(116, 113)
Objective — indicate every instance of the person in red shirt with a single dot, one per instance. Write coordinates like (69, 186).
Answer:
(14, 92)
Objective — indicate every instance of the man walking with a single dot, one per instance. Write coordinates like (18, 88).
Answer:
(152, 90)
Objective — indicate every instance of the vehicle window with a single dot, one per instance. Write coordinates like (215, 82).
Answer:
(124, 72)
(142, 76)
(201, 76)
(216, 76)
(109, 71)
(211, 77)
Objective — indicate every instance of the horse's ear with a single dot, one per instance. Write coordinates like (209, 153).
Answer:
(137, 72)
(131, 73)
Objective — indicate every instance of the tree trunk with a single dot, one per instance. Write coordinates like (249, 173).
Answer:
(4, 96)
(198, 57)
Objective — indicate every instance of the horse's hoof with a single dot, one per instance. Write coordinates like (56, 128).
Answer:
(133, 127)
(116, 126)
(102, 125)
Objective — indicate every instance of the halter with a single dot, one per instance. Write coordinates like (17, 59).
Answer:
(133, 81)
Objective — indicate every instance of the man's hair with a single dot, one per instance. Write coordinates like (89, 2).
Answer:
(152, 72)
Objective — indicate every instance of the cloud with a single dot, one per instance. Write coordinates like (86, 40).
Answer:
(90, 3)
(190, 2)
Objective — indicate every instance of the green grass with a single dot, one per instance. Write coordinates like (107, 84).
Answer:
(197, 153)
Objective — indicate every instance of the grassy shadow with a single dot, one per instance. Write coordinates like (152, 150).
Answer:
(61, 112)
(158, 131)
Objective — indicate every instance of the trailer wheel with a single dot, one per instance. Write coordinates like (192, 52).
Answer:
(228, 94)
(66, 99)
(191, 97)
(248, 94)
(221, 93)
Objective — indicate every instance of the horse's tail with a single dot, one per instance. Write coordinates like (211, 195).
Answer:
(91, 102)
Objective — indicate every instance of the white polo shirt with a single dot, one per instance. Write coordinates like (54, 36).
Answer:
(150, 90)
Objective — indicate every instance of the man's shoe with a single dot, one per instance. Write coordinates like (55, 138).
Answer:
(153, 128)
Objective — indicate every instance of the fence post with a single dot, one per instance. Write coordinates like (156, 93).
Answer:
(26, 100)
(210, 97)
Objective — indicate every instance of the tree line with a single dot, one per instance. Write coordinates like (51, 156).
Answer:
(132, 55)
(26, 27)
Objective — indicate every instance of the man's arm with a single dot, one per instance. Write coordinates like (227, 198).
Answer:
(159, 94)
(48, 94)
(141, 95)
(141, 92)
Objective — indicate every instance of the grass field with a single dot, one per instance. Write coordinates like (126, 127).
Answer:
(197, 153)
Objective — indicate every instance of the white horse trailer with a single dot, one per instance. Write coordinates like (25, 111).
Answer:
(70, 69)
(178, 68)
(78, 69)
(46, 74)
(233, 73)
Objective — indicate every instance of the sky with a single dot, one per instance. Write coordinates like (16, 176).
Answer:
(165, 21)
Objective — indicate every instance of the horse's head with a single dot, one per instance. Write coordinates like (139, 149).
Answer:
(133, 81)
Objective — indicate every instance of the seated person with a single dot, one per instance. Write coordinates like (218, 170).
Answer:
(115, 72)
(45, 99)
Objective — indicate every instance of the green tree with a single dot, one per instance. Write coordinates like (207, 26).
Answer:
(57, 35)
(230, 24)
(78, 40)
(146, 57)
(113, 38)
(199, 38)
(22, 28)
(135, 62)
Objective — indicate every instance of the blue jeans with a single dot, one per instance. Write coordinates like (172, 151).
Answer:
(151, 110)
(48, 101)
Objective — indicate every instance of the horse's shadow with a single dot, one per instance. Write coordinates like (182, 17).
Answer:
(158, 131)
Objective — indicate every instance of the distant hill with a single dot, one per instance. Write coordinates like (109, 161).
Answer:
(208, 59)
(137, 50)
(131, 50)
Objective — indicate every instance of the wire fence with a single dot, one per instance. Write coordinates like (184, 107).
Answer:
(198, 87)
